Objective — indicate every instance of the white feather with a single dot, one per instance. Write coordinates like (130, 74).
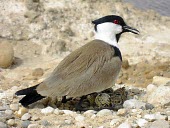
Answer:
(107, 33)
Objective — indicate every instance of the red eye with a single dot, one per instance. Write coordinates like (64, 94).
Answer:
(116, 21)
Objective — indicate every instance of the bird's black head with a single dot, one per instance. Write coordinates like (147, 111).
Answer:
(117, 23)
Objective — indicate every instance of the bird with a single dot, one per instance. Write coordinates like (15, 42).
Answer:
(92, 68)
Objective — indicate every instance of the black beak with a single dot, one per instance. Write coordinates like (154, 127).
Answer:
(130, 29)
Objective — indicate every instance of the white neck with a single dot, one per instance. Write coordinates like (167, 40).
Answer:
(107, 37)
(107, 33)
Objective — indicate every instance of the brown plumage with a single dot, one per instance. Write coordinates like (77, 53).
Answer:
(91, 68)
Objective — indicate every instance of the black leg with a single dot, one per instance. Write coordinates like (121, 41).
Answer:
(64, 99)
(78, 106)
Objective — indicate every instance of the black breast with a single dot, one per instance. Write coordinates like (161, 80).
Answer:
(117, 52)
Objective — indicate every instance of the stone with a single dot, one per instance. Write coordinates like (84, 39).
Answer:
(38, 72)
(115, 122)
(8, 112)
(35, 118)
(80, 118)
(142, 122)
(6, 54)
(45, 123)
(47, 110)
(121, 112)
(58, 112)
(161, 93)
(89, 112)
(158, 116)
(133, 103)
(25, 124)
(104, 112)
(125, 64)
(3, 125)
(168, 118)
(69, 112)
(159, 80)
(149, 106)
(150, 117)
(159, 124)
(11, 122)
(68, 121)
(26, 116)
(124, 125)
(21, 112)
(33, 126)
(150, 88)
(14, 107)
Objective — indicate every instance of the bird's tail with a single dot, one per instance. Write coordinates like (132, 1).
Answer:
(31, 95)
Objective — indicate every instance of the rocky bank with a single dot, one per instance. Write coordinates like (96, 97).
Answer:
(35, 35)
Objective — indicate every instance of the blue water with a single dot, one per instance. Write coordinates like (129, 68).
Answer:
(160, 6)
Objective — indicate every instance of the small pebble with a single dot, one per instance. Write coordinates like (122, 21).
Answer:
(150, 117)
(104, 112)
(142, 122)
(8, 112)
(58, 112)
(125, 125)
(35, 118)
(158, 116)
(159, 124)
(45, 123)
(47, 110)
(168, 118)
(89, 112)
(38, 72)
(11, 122)
(21, 112)
(121, 112)
(14, 107)
(133, 103)
(33, 126)
(114, 122)
(26, 116)
(69, 112)
(68, 121)
(3, 125)
(149, 106)
(25, 124)
(79, 118)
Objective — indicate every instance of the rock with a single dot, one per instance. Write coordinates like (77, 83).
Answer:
(142, 122)
(47, 110)
(125, 64)
(158, 116)
(149, 106)
(115, 122)
(161, 93)
(133, 103)
(125, 125)
(79, 118)
(68, 121)
(159, 80)
(168, 118)
(3, 125)
(150, 88)
(58, 112)
(150, 117)
(33, 126)
(104, 112)
(159, 124)
(68, 112)
(8, 112)
(45, 123)
(25, 124)
(11, 122)
(35, 118)
(26, 116)
(89, 113)
(121, 112)
(6, 54)
(21, 112)
(14, 107)
(38, 72)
